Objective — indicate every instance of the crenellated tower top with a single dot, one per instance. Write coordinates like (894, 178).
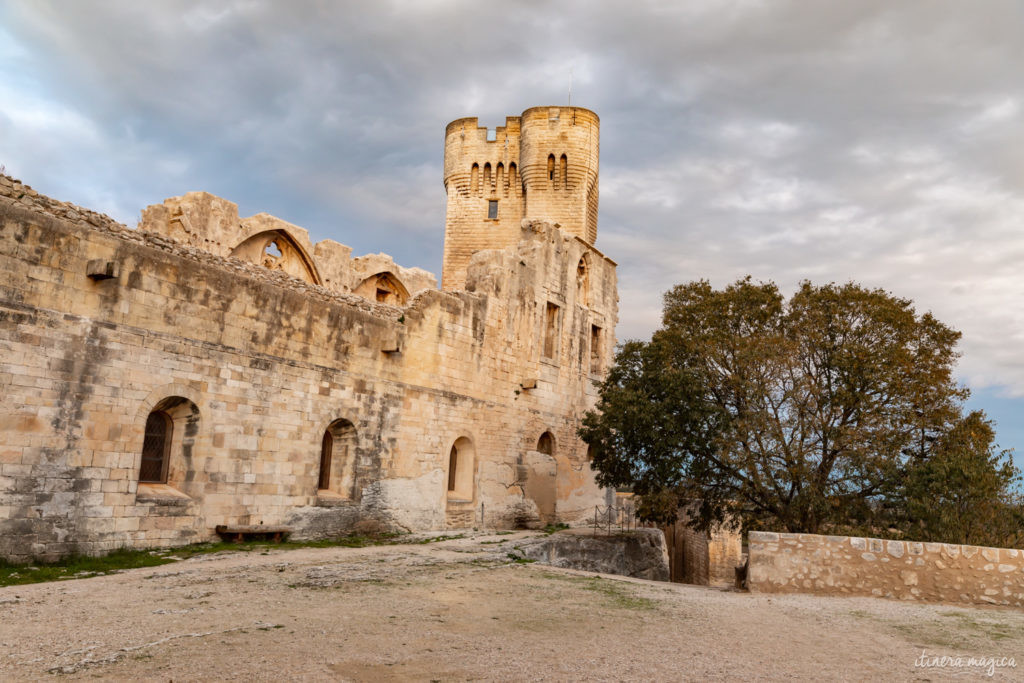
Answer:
(542, 165)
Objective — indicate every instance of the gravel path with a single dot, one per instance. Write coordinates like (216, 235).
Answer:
(461, 610)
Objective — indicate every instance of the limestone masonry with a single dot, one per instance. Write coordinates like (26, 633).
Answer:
(841, 565)
(207, 369)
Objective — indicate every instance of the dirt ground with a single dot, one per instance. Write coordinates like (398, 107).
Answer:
(462, 610)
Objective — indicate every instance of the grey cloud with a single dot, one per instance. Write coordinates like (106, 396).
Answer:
(872, 141)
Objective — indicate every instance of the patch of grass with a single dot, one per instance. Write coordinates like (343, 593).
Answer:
(617, 594)
(437, 539)
(959, 629)
(79, 566)
(993, 630)
(519, 559)
(552, 528)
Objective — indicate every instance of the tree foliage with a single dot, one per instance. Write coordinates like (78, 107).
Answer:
(965, 492)
(832, 410)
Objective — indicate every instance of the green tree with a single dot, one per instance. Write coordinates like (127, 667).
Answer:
(799, 415)
(964, 492)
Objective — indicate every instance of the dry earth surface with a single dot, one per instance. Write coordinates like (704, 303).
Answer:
(461, 610)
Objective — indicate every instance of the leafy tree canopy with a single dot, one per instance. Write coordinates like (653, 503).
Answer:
(835, 410)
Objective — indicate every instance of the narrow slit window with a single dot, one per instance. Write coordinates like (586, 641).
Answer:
(595, 349)
(453, 466)
(563, 177)
(551, 330)
(492, 208)
(474, 178)
(551, 167)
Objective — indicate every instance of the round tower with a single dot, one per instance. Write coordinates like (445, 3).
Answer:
(541, 165)
(558, 151)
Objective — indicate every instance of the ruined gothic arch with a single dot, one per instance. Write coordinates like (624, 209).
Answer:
(385, 288)
(277, 250)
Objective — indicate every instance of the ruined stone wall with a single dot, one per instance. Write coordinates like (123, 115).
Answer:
(513, 170)
(99, 325)
(841, 565)
(212, 224)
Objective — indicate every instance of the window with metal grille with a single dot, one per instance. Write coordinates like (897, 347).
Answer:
(155, 448)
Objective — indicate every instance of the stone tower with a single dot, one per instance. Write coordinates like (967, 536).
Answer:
(541, 165)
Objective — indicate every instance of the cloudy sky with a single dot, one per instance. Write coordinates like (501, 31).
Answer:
(880, 142)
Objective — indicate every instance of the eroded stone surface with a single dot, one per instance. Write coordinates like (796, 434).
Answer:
(640, 553)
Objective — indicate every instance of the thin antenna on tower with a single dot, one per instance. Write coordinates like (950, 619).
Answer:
(570, 87)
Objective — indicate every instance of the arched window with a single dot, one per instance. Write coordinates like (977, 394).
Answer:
(500, 180)
(156, 448)
(564, 174)
(337, 460)
(169, 442)
(487, 178)
(551, 167)
(474, 178)
(512, 177)
(461, 466)
(546, 444)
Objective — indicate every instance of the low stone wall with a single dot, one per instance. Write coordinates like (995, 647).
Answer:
(842, 565)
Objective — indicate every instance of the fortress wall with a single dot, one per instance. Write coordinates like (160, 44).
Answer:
(262, 364)
(842, 565)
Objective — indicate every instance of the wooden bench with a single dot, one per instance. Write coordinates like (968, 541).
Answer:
(250, 532)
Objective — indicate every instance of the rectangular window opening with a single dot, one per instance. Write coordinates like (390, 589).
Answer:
(492, 134)
(492, 208)
(595, 349)
(551, 330)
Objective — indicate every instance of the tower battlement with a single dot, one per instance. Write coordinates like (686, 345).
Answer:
(542, 165)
